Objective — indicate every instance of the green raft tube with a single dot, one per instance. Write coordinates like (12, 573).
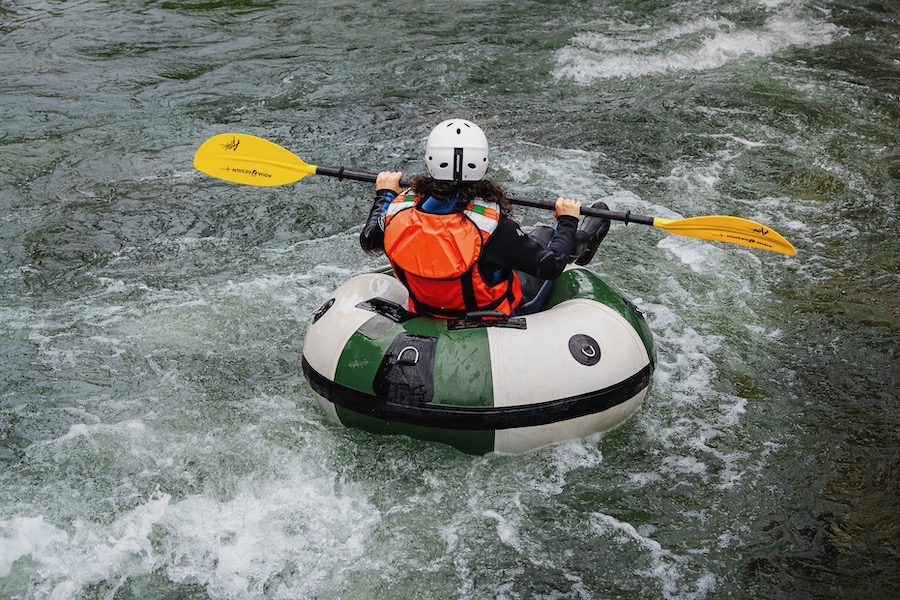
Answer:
(580, 366)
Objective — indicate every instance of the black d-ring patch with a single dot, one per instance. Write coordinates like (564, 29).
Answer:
(322, 310)
(584, 349)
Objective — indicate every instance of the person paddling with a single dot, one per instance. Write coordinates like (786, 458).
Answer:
(452, 242)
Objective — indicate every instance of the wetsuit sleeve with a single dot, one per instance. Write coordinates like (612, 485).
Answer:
(372, 237)
(510, 248)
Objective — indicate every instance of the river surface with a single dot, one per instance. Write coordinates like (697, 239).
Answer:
(158, 440)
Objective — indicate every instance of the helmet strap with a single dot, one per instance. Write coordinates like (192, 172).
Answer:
(457, 164)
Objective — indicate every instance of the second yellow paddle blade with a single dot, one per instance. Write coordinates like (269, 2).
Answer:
(250, 160)
(733, 230)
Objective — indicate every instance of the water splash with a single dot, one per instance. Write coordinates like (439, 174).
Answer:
(700, 45)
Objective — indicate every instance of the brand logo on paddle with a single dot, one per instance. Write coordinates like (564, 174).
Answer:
(761, 230)
(232, 145)
(250, 172)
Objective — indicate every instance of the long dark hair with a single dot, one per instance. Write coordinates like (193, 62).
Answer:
(464, 191)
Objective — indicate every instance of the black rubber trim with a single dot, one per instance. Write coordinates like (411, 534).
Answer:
(479, 419)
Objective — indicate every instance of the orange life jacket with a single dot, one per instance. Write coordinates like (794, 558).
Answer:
(436, 257)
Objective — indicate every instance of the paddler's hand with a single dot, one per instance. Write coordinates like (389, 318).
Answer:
(567, 206)
(389, 180)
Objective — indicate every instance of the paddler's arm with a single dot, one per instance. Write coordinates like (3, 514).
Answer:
(387, 186)
(513, 249)
(553, 260)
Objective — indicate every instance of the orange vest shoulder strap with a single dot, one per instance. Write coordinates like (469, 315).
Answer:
(402, 202)
(485, 215)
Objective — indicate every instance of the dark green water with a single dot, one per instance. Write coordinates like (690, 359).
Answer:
(157, 439)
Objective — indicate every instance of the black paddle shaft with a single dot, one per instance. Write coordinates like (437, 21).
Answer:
(586, 211)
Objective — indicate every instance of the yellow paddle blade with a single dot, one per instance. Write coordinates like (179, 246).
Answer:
(733, 230)
(250, 160)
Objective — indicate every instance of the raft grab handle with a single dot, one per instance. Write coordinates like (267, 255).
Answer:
(487, 318)
(387, 308)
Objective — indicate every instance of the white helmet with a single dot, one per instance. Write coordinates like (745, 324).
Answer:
(457, 150)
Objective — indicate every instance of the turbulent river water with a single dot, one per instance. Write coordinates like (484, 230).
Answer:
(158, 440)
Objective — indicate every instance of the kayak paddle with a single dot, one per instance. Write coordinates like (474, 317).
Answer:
(250, 160)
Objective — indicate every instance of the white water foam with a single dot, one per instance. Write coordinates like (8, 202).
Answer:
(88, 553)
(676, 577)
(565, 170)
(307, 528)
(700, 45)
(290, 530)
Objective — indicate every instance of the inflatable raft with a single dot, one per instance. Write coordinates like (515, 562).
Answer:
(580, 366)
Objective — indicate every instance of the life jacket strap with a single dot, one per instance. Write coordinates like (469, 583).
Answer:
(452, 313)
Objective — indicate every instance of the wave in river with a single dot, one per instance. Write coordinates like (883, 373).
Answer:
(623, 51)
